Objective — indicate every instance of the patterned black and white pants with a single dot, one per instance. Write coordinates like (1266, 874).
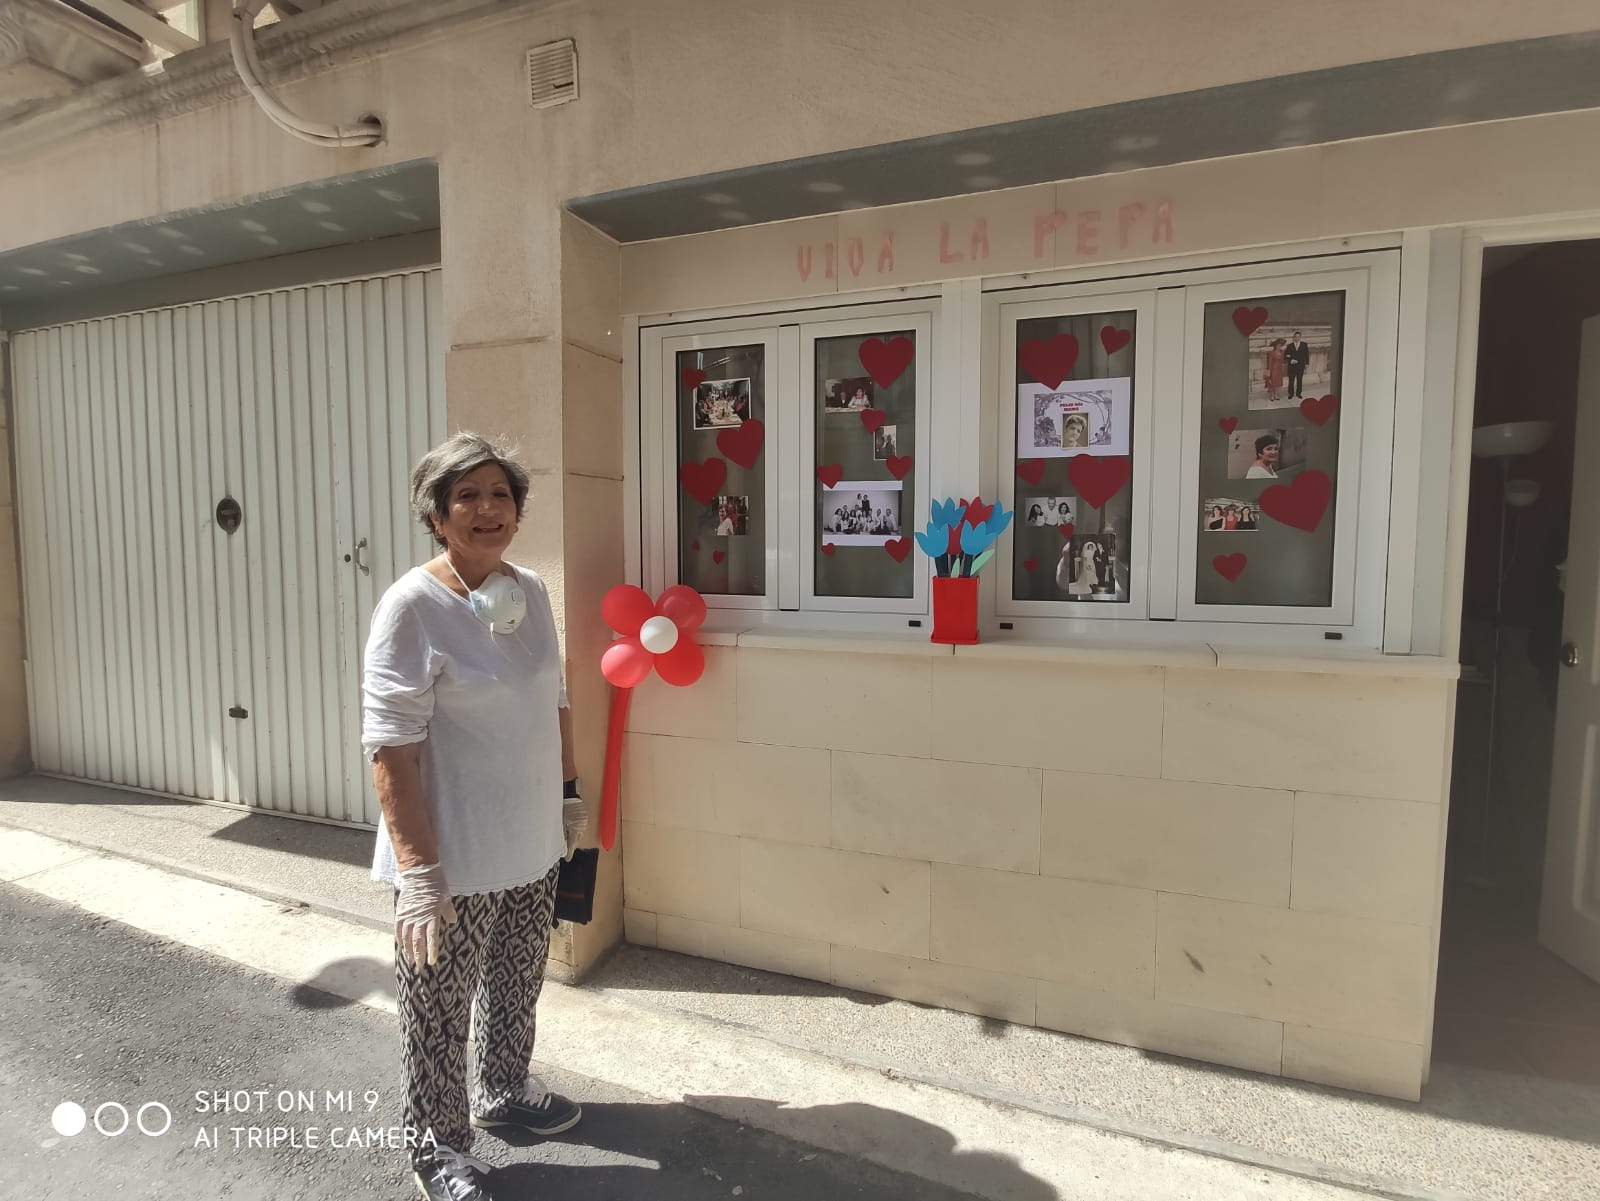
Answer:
(489, 974)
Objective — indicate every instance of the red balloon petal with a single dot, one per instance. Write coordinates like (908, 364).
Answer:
(684, 606)
(625, 663)
(626, 608)
(683, 664)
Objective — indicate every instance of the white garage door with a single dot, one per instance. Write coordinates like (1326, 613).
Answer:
(165, 652)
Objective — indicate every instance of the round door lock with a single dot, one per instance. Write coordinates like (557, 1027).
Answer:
(229, 515)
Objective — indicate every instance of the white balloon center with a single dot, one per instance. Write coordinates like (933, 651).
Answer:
(658, 635)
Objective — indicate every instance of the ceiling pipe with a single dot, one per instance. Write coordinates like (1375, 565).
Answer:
(241, 40)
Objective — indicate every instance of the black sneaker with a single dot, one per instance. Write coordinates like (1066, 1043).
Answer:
(451, 1176)
(536, 1112)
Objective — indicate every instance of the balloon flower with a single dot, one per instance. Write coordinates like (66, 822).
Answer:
(654, 636)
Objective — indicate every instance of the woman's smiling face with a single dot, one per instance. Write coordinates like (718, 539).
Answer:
(481, 517)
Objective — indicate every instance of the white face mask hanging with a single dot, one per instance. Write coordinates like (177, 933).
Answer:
(499, 603)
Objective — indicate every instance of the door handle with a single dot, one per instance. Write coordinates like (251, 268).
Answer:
(361, 546)
(1571, 656)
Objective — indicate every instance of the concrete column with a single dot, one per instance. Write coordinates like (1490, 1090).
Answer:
(591, 485)
(532, 302)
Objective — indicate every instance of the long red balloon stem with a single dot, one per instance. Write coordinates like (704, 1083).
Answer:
(612, 782)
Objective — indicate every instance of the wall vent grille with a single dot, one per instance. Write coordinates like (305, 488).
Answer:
(553, 73)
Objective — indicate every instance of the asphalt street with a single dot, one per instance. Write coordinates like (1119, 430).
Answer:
(252, 1088)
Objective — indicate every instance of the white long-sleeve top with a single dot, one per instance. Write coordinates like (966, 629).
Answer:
(483, 706)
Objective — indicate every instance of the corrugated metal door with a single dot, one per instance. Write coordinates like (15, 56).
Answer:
(165, 653)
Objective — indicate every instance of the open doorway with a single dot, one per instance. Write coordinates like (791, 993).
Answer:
(1506, 1000)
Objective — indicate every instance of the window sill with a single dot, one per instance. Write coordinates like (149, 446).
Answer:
(1200, 656)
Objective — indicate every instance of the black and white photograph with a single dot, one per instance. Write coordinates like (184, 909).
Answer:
(721, 403)
(1289, 363)
(1225, 514)
(861, 512)
(848, 395)
(1087, 567)
(1089, 416)
(732, 515)
(885, 444)
(1050, 510)
(1265, 454)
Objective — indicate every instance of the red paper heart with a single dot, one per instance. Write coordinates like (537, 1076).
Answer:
(1099, 478)
(1114, 339)
(1319, 408)
(1031, 471)
(1300, 504)
(1229, 567)
(827, 548)
(1229, 424)
(885, 361)
(742, 443)
(695, 545)
(1049, 362)
(831, 474)
(692, 378)
(1247, 321)
(898, 548)
(1030, 565)
(873, 418)
(1066, 529)
(704, 480)
(898, 465)
(717, 556)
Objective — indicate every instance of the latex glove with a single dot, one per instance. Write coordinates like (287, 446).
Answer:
(421, 912)
(574, 821)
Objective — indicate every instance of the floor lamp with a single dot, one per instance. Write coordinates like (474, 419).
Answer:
(1504, 442)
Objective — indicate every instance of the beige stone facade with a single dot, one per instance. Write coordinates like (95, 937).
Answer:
(864, 816)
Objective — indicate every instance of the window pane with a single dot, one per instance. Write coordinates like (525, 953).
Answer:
(1269, 450)
(865, 476)
(722, 493)
(1074, 458)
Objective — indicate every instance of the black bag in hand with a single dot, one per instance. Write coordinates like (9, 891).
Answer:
(575, 886)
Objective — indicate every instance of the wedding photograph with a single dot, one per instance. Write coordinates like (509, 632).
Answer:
(1087, 568)
(861, 512)
(1289, 363)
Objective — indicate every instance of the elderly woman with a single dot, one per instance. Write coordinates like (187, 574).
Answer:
(467, 727)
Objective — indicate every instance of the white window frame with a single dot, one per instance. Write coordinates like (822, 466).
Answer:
(1360, 509)
(1167, 353)
(789, 455)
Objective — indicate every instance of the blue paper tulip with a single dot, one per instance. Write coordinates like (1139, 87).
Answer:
(975, 538)
(1000, 519)
(946, 512)
(936, 541)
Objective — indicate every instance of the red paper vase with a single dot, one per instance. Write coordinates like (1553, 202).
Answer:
(955, 610)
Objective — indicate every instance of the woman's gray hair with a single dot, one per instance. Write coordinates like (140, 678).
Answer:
(438, 470)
